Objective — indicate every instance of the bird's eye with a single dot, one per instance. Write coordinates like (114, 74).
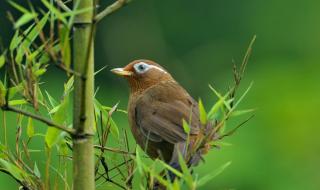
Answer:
(141, 67)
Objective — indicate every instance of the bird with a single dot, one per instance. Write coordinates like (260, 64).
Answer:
(157, 106)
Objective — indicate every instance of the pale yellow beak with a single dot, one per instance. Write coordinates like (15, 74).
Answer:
(121, 72)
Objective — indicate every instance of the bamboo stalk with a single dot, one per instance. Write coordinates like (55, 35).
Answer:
(83, 122)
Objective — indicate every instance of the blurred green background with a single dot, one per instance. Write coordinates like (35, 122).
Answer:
(198, 41)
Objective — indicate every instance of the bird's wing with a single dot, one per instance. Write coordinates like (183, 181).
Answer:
(160, 111)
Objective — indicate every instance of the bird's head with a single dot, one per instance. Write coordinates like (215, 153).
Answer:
(142, 74)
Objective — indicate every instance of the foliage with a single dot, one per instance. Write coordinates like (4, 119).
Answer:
(42, 39)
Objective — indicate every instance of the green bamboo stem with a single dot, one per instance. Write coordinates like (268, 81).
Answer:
(83, 151)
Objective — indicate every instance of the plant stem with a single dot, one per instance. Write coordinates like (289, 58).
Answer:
(5, 128)
(83, 121)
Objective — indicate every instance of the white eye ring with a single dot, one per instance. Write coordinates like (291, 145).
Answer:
(141, 67)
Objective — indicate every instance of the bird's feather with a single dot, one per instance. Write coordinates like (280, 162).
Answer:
(160, 118)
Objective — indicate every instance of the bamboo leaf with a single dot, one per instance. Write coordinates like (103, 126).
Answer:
(30, 128)
(113, 126)
(3, 92)
(138, 160)
(40, 72)
(54, 110)
(65, 46)
(108, 108)
(2, 60)
(241, 112)
(16, 39)
(52, 101)
(17, 102)
(242, 96)
(185, 126)
(36, 170)
(24, 19)
(18, 7)
(203, 114)
(227, 104)
(186, 172)
(34, 54)
(69, 85)
(60, 118)
(173, 170)
(205, 179)
(15, 89)
(55, 11)
(16, 172)
(31, 37)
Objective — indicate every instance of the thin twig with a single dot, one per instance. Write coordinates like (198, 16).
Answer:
(63, 6)
(110, 9)
(39, 118)
(113, 150)
(229, 133)
(68, 70)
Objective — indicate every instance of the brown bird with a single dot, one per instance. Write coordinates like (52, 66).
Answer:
(157, 107)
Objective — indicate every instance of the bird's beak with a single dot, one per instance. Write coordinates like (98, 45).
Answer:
(121, 72)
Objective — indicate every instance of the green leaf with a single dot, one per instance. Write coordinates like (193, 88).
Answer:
(173, 170)
(185, 126)
(60, 118)
(15, 41)
(108, 108)
(55, 11)
(30, 128)
(2, 60)
(219, 104)
(18, 7)
(176, 185)
(15, 89)
(241, 112)
(44, 58)
(113, 126)
(138, 160)
(65, 46)
(25, 18)
(3, 92)
(63, 148)
(36, 170)
(40, 72)
(54, 110)
(52, 101)
(227, 104)
(35, 53)
(17, 102)
(69, 85)
(30, 37)
(186, 172)
(205, 179)
(203, 114)
(242, 96)
(16, 172)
